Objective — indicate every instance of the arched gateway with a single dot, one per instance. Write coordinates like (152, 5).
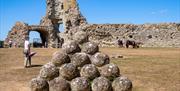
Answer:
(21, 30)
(42, 30)
(65, 13)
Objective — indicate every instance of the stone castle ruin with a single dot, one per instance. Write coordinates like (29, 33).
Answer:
(59, 12)
(66, 13)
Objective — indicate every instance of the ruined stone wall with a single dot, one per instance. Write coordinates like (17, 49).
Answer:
(17, 34)
(52, 29)
(151, 35)
(54, 9)
(64, 12)
(67, 12)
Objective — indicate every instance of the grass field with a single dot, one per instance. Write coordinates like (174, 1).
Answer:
(150, 69)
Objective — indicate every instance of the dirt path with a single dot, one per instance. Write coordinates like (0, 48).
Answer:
(13, 76)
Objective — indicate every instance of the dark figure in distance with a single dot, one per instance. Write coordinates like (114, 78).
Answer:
(132, 43)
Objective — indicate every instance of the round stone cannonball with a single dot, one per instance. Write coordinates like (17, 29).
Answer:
(70, 47)
(80, 84)
(69, 71)
(81, 37)
(60, 58)
(101, 84)
(39, 84)
(122, 84)
(111, 71)
(59, 84)
(49, 71)
(90, 48)
(80, 59)
(89, 71)
(100, 59)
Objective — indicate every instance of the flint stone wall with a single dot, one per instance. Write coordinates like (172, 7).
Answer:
(17, 34)
(151, 35)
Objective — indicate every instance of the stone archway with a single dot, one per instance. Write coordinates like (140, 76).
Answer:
(43, 35)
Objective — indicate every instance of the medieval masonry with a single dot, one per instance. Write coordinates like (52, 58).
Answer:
(66, 12)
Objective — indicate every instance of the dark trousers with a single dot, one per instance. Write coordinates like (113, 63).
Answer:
(27, 58)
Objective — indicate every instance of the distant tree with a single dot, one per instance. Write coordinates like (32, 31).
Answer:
(1, 44)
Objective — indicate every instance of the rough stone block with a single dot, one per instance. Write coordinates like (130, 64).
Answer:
(89, 71)
(39, 84)
(60, 58)
(59, 84)
(100, 59)
(90, 48)
(81, 37)
(101, 84)
(111, 71)
(49, 71)
(80, 59)
(70, 47)
(80, 84)
(122, 84)
(69, 71)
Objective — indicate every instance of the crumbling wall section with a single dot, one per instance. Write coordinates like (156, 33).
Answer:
(17, 34)
(151, 35)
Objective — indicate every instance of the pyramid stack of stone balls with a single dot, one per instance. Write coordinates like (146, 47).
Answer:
(79, 66)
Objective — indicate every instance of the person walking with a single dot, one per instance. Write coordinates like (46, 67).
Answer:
(27, 52)
(10, 43)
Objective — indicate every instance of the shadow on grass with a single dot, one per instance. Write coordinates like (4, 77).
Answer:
(35, 66)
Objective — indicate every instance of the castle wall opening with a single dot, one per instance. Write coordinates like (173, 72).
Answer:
(41, 40)
(61, 28)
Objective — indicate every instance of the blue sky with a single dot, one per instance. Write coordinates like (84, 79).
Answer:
(96, 11)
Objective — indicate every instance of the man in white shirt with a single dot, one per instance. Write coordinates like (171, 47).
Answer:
(10, 43)
(27, 60)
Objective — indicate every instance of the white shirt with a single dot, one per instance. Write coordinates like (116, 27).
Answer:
(26, 44)
(10, 42)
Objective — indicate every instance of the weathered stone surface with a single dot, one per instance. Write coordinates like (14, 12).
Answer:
(100, 59)
(81, 37)
(122, 84)
(49, 71)
(89, 71)
(54, 9)
(80, 59)
(60, 58)
(90, 48)
(58, 12)
(69, 71)
(17, 34)
(39, 84)
(70, 47)
(163, 34)
(80, 84)
(101, 84)
(59, 84)
(111, 71)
